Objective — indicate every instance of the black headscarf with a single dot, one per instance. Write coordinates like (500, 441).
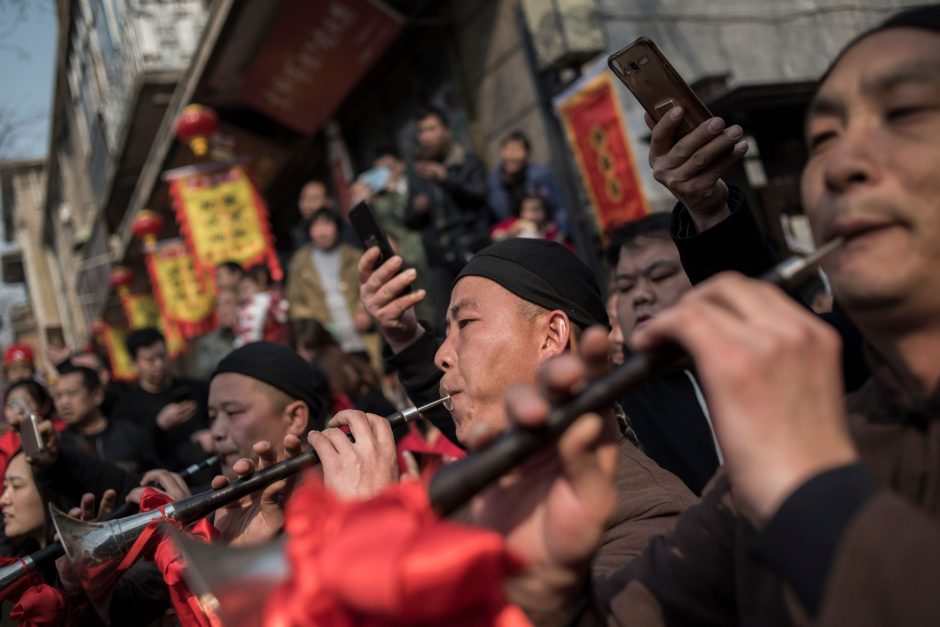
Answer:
(925, 17)
(281, 368)
(544, 273)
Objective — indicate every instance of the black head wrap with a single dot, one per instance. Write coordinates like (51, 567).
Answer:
(925, 17)
(281, 368)
(544, 273)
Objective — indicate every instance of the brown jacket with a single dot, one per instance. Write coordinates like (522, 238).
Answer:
(304, 291)
(886, 568)
(650, 500)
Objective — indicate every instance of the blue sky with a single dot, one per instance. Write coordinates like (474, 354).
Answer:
(27, 64)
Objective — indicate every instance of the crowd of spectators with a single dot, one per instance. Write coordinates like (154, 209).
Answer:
(737, 486)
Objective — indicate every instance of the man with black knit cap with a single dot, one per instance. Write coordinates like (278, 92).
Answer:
(516, 305)
(263, 400)
(828, 510)
(263, 391)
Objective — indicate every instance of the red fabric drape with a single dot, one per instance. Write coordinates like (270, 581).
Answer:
(40, 606)
(149, 545)
(388, 561)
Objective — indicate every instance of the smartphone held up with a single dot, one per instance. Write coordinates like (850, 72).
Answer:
(656, 85)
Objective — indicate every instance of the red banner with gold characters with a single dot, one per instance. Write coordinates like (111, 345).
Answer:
(598, 136)
(186, 304)
(222, 217)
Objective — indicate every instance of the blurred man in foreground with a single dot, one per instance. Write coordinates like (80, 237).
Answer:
(816, 487)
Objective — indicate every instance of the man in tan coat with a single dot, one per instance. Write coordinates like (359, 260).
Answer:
(828, 510)
(323, 282)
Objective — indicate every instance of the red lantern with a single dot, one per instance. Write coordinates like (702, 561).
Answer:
(146, 226)
(121, 279)
(195, 126)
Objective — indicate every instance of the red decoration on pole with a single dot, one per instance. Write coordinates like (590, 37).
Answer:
(195, 126)
(98, 327)
(147, 226)
(121, 279)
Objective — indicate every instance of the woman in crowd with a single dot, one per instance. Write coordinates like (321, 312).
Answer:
(24, 508)
(353, 382)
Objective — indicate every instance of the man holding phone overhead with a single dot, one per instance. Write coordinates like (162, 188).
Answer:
(448, 204)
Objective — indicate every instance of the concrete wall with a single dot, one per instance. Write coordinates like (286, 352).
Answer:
(751, 42)
(27, 184)
(498, 77)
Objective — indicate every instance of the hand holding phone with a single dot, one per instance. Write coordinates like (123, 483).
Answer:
(40, 441)
(689, 149)
(369, 231)
(30, 437)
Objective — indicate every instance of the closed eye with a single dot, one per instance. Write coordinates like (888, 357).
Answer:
(907, 112)
(817, 140)
(662, 276)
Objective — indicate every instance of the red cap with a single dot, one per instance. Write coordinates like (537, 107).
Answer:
(18, 353)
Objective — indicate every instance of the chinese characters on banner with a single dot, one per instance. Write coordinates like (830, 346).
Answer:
(141, 311)
(223, 218)
(598, 137)
(186, 306)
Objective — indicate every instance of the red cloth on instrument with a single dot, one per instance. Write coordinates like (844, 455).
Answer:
(13, 592)
(146, 543)
(171, 565)
(164, 553)
(40, 606)
(388, 561)
(434, 453)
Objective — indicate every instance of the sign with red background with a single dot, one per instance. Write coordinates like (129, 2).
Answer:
(314, 55)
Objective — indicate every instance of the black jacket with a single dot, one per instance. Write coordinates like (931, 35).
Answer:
(670, 419)
(668, 414)
(737, 243)
(122, 443)
(456, 224)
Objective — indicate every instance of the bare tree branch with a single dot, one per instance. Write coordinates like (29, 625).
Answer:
(13, 14)
(15, 126)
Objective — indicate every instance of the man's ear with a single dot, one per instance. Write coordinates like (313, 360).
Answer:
(297, 416)
(557, 334)
(98, 397)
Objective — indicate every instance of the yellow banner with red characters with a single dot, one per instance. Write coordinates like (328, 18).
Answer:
(141, 311)
(598, 136)
(122, 368)
(186, 304)
(222, 217)
(175, 341)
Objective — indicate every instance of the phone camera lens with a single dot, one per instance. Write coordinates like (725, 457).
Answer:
(634, 66)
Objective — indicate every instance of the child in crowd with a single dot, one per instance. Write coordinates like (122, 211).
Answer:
(262, 309)
(535, 220)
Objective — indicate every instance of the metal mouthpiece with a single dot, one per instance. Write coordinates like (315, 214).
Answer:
(790, 273)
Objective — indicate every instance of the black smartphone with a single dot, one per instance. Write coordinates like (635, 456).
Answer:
(656, 84)
(181, 394)
(369, 231)
(29, 435)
